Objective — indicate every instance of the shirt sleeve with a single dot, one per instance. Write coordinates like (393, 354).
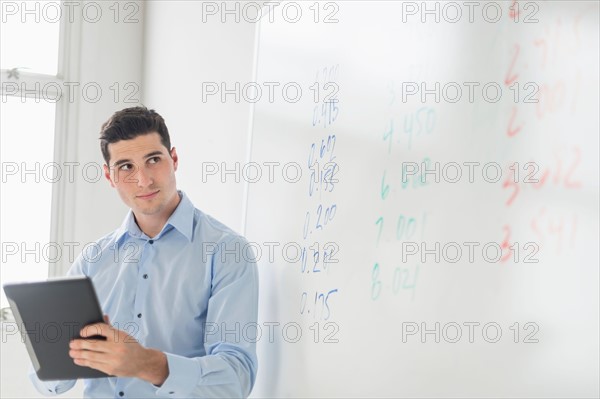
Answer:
(230, 334)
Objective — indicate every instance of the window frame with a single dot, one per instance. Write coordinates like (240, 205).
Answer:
(65, 137)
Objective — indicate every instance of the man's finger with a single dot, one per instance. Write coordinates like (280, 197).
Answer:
(102, 329)
(90, 345)
(104, 367)
(92, 356)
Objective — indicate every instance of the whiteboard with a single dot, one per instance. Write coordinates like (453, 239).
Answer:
(347, 307)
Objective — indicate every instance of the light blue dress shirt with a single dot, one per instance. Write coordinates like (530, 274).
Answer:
(190, 292)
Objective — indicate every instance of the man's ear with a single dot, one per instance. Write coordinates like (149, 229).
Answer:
(174, 157)
(107, 175)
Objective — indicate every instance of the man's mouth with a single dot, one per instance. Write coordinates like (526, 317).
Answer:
(148, 196)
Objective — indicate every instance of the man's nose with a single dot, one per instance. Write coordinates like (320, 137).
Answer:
(144, 177)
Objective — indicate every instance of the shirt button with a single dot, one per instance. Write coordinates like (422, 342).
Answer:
(139, 315)
(145, 276)
(171, 393)
(150, 241)
(121, 393)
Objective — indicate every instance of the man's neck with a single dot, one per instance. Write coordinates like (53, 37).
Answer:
(152, 225)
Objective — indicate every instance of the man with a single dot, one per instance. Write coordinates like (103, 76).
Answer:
(177, 286)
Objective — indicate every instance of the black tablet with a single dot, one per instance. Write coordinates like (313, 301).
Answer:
(49, 315)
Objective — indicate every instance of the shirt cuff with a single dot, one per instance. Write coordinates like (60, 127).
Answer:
(50, 388)
(184, 373)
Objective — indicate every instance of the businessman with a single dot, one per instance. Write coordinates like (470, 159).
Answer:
(177, 286)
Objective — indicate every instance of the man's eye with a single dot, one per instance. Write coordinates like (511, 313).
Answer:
(125, 167)
(154, 159)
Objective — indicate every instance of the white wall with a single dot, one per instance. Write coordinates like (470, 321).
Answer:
(109, 53)
(182, 52)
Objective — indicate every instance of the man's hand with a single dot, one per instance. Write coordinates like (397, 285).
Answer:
(120, 355)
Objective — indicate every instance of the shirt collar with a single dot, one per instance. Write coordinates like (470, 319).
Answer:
(182, 219)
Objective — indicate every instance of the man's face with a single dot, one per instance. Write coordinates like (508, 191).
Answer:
(143, 173)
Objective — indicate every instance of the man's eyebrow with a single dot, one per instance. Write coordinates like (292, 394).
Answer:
(120, 162)
(149, 155)
(153, 153)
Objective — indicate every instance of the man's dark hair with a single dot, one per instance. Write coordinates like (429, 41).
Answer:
(130, 123)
